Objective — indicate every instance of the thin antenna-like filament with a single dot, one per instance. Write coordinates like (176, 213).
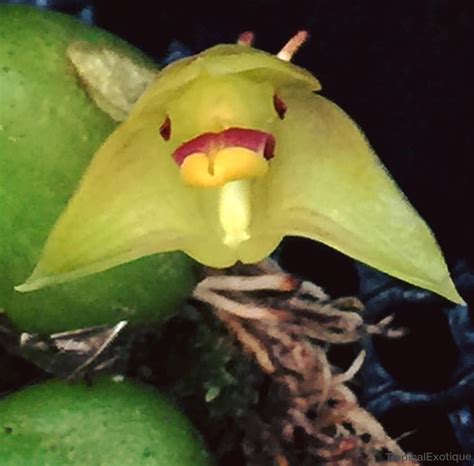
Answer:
(293, 45)
(247, 38)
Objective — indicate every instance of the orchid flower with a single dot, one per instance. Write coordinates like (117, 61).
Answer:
(221, 155)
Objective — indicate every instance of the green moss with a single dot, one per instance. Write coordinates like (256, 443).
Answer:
(108, 424)
(217, 386)
(49, 130)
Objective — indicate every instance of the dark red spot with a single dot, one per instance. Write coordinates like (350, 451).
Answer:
(280, 106)
(165, 129)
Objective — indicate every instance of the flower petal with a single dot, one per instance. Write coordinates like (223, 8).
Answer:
(327, 184)
(130, 203)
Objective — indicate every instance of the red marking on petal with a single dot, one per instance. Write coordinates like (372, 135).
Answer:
(258, 141)
(269, 149)
(252, 139)
(165, 129)
(201, 143)
(280, 106)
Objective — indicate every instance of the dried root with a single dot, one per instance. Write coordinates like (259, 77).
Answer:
(287, 326)
(73, 354)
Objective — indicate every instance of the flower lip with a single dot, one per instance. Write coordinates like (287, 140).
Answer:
(258, 141)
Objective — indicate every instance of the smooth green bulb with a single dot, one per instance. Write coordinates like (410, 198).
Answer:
(107, 424)
(49, 131)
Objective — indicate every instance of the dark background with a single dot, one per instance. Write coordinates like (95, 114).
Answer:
(403, 71)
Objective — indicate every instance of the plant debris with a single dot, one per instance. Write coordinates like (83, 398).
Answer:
(70, 355)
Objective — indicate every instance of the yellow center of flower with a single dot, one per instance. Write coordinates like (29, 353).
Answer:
(221, 166)
(228, 160)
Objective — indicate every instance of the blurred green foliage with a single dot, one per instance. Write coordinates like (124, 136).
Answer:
(49, 130)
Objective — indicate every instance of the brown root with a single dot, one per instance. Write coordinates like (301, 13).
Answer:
(287, 326)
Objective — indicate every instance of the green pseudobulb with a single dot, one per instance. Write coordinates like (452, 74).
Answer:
(49, 130)
(107, 424)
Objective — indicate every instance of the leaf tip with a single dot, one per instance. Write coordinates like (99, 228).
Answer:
(27, 286)
(450, 292)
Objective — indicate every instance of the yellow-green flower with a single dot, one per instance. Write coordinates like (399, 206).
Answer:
(224, 154)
